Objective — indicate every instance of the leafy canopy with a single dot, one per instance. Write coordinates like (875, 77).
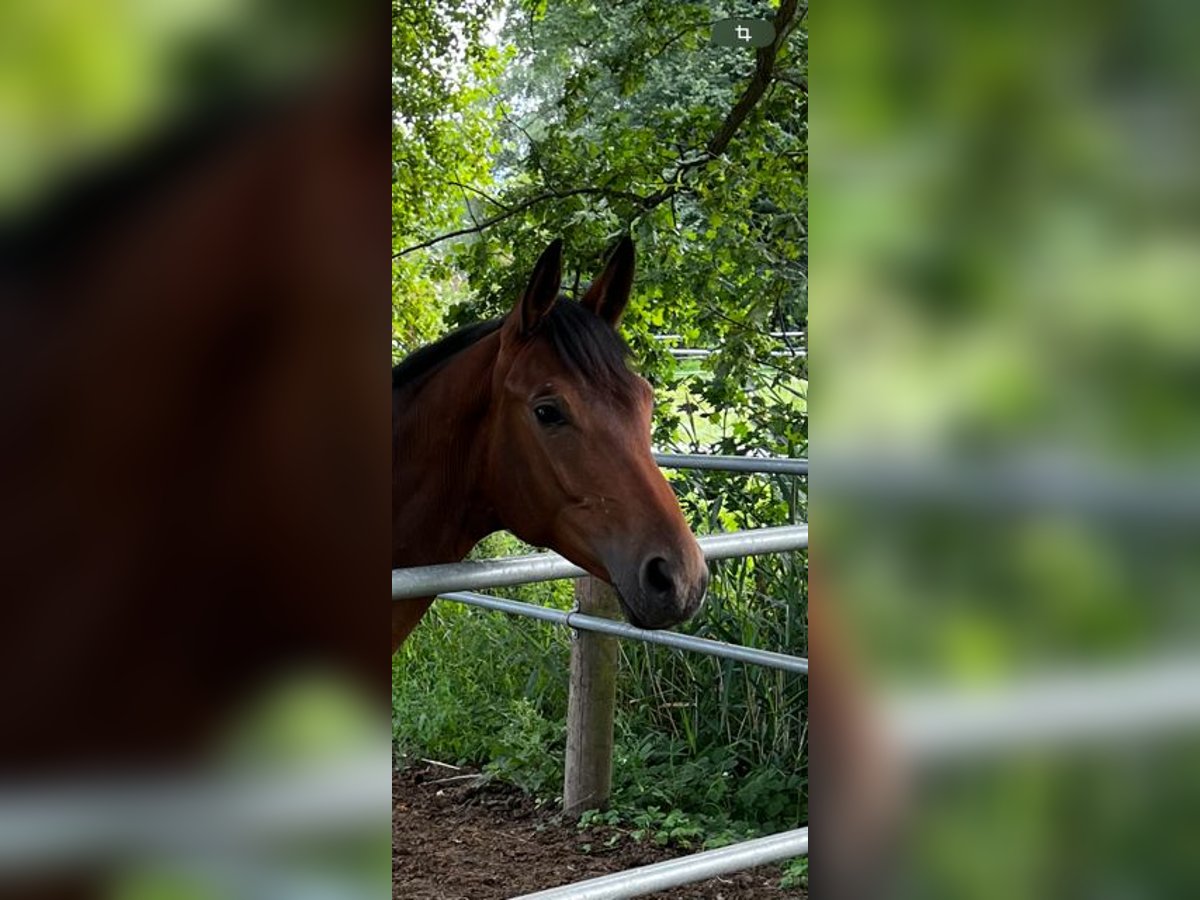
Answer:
(522, 122)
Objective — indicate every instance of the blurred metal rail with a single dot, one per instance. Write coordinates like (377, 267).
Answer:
(473, 575)
(58, 825)
(685, 870)
(1028, 484)
(1098, 706)
(582, 622)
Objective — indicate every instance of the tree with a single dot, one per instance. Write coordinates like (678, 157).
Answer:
(442, 139)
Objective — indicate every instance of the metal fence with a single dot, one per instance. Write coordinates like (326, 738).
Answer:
(474, 575)
(673, 872)
(696, 353)
(762, 465)
(786, 337)
(460, 581)
(581, 622)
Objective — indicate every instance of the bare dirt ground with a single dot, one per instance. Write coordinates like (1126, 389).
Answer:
(459, 840)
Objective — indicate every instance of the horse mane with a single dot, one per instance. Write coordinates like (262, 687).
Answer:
(582, 340)
(91, 198)
(421, 362)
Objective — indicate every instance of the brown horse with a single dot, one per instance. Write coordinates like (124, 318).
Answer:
(533, 423)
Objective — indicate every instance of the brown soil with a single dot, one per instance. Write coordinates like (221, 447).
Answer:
(466, 839)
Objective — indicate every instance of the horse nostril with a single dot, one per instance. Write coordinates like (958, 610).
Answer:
(656, 576)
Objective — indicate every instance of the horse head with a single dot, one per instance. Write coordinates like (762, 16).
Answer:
(570, 464)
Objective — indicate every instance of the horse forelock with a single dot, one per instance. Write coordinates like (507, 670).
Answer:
(588, 346)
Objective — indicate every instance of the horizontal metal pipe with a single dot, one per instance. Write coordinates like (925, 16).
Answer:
(768, 658)
(765, 465)
(1150, 699)
(1116, 496)
(473, 575)
(774, 334)
(89, 822)
(688, 353)
(685, 870)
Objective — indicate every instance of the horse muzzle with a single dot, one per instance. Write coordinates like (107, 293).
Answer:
(663, 590)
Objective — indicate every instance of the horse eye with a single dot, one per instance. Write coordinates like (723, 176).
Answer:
(548, 414)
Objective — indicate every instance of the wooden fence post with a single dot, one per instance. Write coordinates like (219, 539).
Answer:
(594, 657)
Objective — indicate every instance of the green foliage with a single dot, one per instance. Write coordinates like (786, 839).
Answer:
(617, 139)
(795, 873)
(442, 139)
(529, 749)
(652, 823)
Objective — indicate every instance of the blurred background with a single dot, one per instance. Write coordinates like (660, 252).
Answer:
(193, 449)
(1006, 327)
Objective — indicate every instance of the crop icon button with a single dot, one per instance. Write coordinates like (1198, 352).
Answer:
(743, 33)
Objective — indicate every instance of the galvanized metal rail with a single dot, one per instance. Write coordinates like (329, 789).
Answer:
(763, 465)
(1119, 496)
(686, 869)
(778, 335)
(61, 826)
(1146, 699)
(582, 622)
(698, 353)
(472, 575)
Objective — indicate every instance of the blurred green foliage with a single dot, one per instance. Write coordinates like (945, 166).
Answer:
(1009, 217)
(83, 83)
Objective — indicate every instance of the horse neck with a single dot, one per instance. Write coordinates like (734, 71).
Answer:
(440, 508)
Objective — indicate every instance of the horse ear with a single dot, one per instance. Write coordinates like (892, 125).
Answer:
(609, 293)
(543, 287)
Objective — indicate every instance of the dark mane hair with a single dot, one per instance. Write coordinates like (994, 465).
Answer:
(421, 362)
(91, 199)
(582, 340)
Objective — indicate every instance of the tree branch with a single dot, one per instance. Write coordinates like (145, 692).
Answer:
(801, 83)
(470, 211)
(659, 52)
(474, 190)
(512, 211)
(763, 68)
(784, 22)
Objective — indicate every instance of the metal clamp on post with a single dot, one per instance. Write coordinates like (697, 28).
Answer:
(567, 621)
